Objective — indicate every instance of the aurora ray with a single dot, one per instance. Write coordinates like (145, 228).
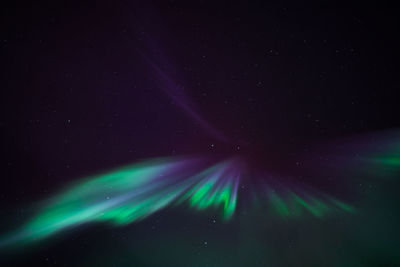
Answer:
(133, 193)
(137, 191)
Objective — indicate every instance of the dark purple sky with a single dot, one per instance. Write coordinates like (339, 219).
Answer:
(90, 86)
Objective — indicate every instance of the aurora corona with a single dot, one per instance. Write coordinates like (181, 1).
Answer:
(135, 192)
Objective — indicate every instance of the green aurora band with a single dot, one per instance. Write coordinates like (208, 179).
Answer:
(135, 192)
(130, 194)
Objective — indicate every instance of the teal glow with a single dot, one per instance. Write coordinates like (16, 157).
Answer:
(135, 192)
(130, 194)
(293, 205)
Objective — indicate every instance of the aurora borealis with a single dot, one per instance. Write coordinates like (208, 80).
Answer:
(199, 133)
(135, 192)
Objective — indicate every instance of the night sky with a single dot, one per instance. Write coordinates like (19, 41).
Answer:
(308, 95)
